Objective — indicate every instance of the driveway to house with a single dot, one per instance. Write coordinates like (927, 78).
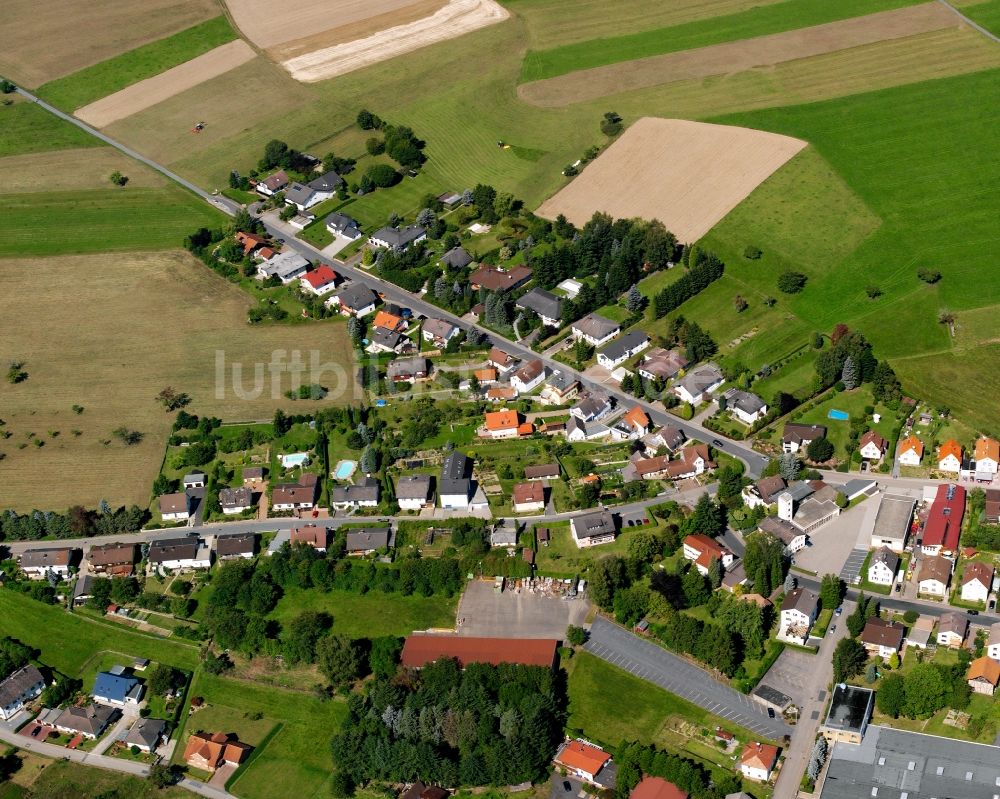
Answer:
(654, 664)
(813, 685)
(483, 612)
(115, 733)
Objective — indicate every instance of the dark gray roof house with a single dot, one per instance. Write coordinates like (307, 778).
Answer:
(357, 296)
(327, 182)
(300, 195)
(364, 491)
(368, 539)
(744, 401)
(398, 238)
(596, 327)
(90, 720)
(146, 733)
(235, 498)
(624, 347)
(413, 486)
(167, 549)
(593, 525)
(417, 367)
(235, 545)
(22, 684)
(383, 337)
(542, 302)
(343, 225)
(456, 258)
(456, 473)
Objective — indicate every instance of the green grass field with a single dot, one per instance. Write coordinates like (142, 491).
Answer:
(758, 21)
(26, 128)
(985, 13)
(107, 77)
(101, 220)
(372, 614)
(68, 642)
(610, 706)
(65, 780)
(298, 754)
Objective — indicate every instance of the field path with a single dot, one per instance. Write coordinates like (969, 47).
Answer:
(739, 56)
(140, 96)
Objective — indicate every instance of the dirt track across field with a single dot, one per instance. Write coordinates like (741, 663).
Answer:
(733, 57)
(689, 175)
(454, 19)
(140, 96)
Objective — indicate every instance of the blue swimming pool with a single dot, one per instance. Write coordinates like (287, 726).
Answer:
(840, 416)
(345, 469)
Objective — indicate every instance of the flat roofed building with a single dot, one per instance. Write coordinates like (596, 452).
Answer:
(419, 650)
(892, 522)
(849, 714)
(891, 764)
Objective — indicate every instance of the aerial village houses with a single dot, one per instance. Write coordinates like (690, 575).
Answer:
(89, 721)
(872, 446)
(987, 453)
(320, 281)
(747, 407)
(528, 377)
(702, 550)
(528, 497)
(560, 388)
(758, 760)
(455, 484)
(235, 500)
(408, 370)
(911, 451)
(977, 582)
(286, 266)
(272, 184)
(798, 437)
(363, 494)
(394, 238)
(235, 546)
(117, 689)
(661, 364)
(993, 642)
(950, 456)
(311, 535)
(983, 676)
(582, 760)
(658, 788)
(633, 425)
(37, 564)
(892, 522)
(787, 533)
(194, 480)
(620, 350)
(438, 332)
(413, 491)
(368, 540)
(502, 361)
(146, 734)
(699, 384)
(209, 752)
(456, 258)
(799, 609)
(882, 638)
(764, 493)
(179, 553)
(493, 278)
(934, 576)
(355, 300)
(592, 529)
(175, 507)
(943, 527)
(546, 471)
(595, 330)
(502, 424)
(952, 629)
(18, 689)
(544, 303)
(295, 496)
(883, 566)
(341, 225)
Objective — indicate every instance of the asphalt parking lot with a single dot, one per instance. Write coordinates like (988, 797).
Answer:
(792, 675)
(483, 612)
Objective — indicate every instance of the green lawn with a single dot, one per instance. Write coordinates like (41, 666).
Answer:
(759, 21)
(67, 642)
(101, 220)
(65, 780)
(372, 614)
(107, 77)
(986, 13)
(26, 128)
(853, 403)
(297, 754)
(610, 706)
(795, 377)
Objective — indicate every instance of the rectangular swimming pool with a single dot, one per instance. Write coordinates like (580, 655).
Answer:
(840, 416)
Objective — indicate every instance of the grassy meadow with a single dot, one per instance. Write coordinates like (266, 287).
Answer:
(26, 128)
(107, 77)
(757, 21)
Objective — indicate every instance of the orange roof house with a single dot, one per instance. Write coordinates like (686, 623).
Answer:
(987, 449)
(582, 759)
(912, 444)
(983, 675)
(499, 393)
(250, 241)
(950, 447)
(525, 429)
(209, 751)
(656, 788)
(638, 419)
(506, 419)
(388, 321)
(487, 375)
(758, 760)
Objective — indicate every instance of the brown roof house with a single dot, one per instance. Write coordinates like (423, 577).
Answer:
(115, 559)
(37, 563)
(977, 582)
(882, 638)
(210, 751)
(952, 629)
(311, 535)
(983, 675)
(421, 791)
(934, 576)
(493, 278)
(295, 496)
(528, 497)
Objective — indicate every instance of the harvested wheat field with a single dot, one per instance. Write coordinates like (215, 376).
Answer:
(73, 170)
(689, 175)
(109, 332)
(43, 41)
(734, 57)
(456, 18)
(147, 93)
